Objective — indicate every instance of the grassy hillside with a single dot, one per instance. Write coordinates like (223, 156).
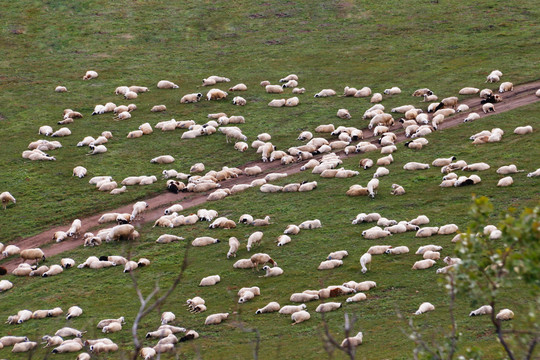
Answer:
(443, 46)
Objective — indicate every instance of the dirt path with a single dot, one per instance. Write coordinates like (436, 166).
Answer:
(521, 96)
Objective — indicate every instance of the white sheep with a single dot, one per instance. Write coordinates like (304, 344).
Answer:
(398, 250)
(90, 74)
(522, 130)
(325, 93)
(352, 341)
(210, 280)
(534, 173)
(415, 166)
(327, 307)
(505, 314)
(272, 271)
(292, 229)
(165, 84)
(300, 316)
(310, 224)
(505, 181)
(424, 307)
(423, 264)
(365, 260)
(482, 310)
(204, 241)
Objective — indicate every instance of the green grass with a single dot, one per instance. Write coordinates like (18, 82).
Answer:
(443, 46)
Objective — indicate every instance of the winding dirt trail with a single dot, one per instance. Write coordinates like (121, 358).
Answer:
(522, 95)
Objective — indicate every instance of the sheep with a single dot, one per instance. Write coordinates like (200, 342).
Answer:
(269, 308)
(32, 254)
(67, 263)
(376, 98)
(329, 264)
(381, 119)
(422, 249)
(372, 187)
(415, 166)
(11, 250)
(433, 255)
(272, 271)
(424, 307)
(380, 172)
(261, 259)
(292, 229)
(310, 224)
(308, 186)
(363, 217)
(397, 190)
(112, 327)
(448, 229)
(283, 240)
(74, 311)
(343, 114)
(291, 102)
(238, 87)
(22, 270)
(191, 98)
(471, 117)
(298, 90)
(363, 92)
(392, 91)
(238, 100)
(102, 347)
(365, 260)
(99, 149)
(68, 346)
(534, 173)
(210, 280)
(423, 264)
(215, 319)
(53, 270)
(505, 314)
(290, 84)
(492, 78)
(476, 167)
(505, 181)
(329, 306)
(165, 84)
(90, 74)
(337, 255)
(204, 241)
(325, 93)
(506, 86)
(69, 332)
(378, 249)
(300, 316)
(488, 107)
(163, 159)
(166, 238)
(522, 130)
(482, 310)
(24, 346)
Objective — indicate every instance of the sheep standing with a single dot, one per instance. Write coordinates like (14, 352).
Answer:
(6, 198)
(365, 260)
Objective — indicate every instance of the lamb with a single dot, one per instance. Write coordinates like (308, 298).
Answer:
(138, 208)
(215, 319)
(292, 229)
(372, 187)
(300, 316)
(330, 264)
(505, 181)
(32, 254)
(522, 130)
(424, 307)
(415, 166)
(325, 93)
(204, 241)
(482, 310)
(310, 224)
(238, 100)
(165, 84)
(505, 314)
(112, 327)
(5, 285)
(90, 74)
(343, 114)
(365, 260)
(210, 280)
(423, 264)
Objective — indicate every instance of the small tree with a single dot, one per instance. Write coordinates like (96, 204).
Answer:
(491, 266)
(488, 268)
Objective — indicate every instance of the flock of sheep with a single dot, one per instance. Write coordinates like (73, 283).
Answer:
(320, 157)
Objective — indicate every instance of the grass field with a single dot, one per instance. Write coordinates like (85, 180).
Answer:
(443, 46)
